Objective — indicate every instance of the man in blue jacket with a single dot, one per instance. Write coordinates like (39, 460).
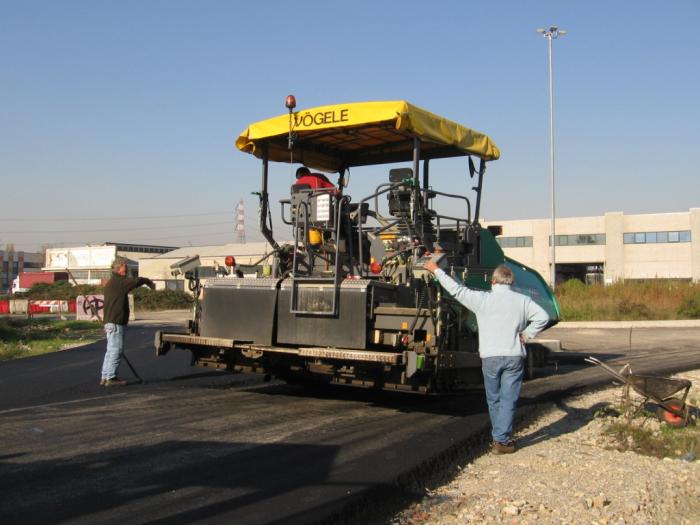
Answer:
(506, 320)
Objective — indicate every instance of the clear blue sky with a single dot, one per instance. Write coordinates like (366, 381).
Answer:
(131, 108)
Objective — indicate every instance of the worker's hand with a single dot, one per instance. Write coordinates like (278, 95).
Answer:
(430, 266)
(522, 338)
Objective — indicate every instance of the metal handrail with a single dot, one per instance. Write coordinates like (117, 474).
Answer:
(376, 194)
(455, 196)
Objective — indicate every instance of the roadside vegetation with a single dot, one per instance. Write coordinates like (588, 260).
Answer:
(151, 300)
(629, 301)
(144, 299)
(30, 337)
(646, 435)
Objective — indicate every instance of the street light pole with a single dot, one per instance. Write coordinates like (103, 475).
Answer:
(549, 34)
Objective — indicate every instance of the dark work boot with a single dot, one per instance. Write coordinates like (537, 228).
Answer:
(502, 448)
(114, 381)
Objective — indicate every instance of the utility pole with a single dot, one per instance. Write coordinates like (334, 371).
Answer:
(552, 33)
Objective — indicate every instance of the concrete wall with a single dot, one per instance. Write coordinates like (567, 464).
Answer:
(578, 226)
(538, 257)
(679, 260)
(663, 260)
(91, 264)
(614, 247)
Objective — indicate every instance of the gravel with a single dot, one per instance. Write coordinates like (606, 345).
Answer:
(566, 471)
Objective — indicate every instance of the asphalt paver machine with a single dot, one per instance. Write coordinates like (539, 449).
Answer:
(348, 300)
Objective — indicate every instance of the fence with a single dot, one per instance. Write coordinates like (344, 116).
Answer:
(22, 306)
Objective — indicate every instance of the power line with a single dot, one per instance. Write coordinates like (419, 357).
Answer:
(169, 227)
(125, 218)
(151, 239)
(130, 240)
(137, 239)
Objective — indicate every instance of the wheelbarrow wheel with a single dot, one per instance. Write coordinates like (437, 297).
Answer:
(670, 418)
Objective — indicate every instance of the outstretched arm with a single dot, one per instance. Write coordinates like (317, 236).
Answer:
(134, 282)
(472, 299)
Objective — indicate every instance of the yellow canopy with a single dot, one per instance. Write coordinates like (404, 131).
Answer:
(330, 138)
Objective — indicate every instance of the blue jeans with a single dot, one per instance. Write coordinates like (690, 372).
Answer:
(502, 379)
(115, 348)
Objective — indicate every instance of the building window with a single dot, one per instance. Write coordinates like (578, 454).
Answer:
(515, 242)
(100, 274)
(174, 285)
(584, 239)
(656, 237)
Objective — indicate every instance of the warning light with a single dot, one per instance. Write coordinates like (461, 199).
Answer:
(230, 261)
(375, 267)
(290, 102)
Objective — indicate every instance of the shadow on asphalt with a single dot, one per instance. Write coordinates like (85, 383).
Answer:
(468, 402)
(164, 480)
(462, 404)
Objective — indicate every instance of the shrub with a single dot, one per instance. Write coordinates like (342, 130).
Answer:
(633, 310)
(573, 286)
(58, 291)
(690, 307)
(7, 331)
(145, 299)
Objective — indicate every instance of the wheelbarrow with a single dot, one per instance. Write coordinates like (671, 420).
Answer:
(669, 394)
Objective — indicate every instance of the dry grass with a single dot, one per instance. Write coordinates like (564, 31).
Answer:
(665, 442)
(629, 301)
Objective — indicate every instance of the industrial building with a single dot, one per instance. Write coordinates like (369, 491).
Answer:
(92, 263)
(212, 258)
(597, 249)
(12, 263)
(610, 247)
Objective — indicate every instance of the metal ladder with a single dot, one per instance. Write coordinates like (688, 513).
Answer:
(301, 282)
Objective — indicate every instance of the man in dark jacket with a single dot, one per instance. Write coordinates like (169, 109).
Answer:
(116, 317)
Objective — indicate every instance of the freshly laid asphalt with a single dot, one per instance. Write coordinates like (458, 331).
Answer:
(196, 445)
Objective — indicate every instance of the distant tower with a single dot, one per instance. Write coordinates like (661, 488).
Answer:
(240, 221)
